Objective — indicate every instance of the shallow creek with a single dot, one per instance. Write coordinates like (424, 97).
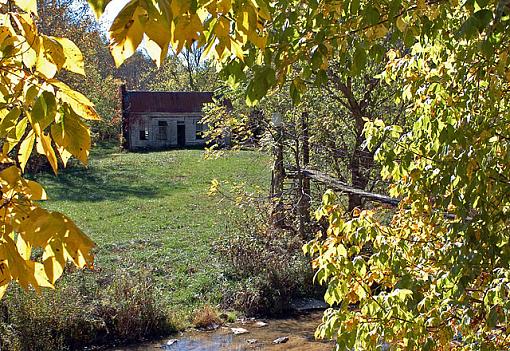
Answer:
(299, 330)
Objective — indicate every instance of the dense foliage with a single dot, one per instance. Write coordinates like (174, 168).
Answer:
(437, 273)
(36, 109)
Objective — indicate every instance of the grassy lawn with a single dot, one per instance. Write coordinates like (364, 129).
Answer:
(150, 212)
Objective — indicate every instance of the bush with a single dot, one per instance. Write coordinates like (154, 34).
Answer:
(82, 313)
(266, 267)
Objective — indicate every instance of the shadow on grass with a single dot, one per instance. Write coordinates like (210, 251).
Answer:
(90, 185)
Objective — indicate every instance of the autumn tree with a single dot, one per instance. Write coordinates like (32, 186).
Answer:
(39, 111)
(186, 71)
(74, 20)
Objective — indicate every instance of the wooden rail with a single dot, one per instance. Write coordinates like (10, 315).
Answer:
(336, 184)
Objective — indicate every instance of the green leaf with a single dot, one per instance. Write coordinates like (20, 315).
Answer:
(297, 88)
(354, 7)
(263, 80)
(98, 6)
(43, 112)
(359, 60)
(483, 18)
(371, 15)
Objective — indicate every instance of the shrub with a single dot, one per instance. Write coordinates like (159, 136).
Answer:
(82, 313)
(266, 267)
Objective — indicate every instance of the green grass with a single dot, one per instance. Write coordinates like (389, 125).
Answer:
(150, 212)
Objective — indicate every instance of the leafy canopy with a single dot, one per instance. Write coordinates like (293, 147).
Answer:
(37, 112)
(435, 273)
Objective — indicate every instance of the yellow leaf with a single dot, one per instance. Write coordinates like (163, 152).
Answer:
(380, 31)
(5, 159)
(35, 191)
(258, 41)
(60, 238)
(53, 260)
(180, 7)
(73, 57)
(73, 136)
(158, 35)
(247, 21)
(43, 112)
(78, 102)
(29, 55)
(25, 150)
(224, 6)
(10, 178)
(27, 5)
(210, 45)
(24, 248)
(222, 27)
(53, 51)
(18, 269)
(262, 8)
(401, 25)
(42, 279)
(187, 29)
(21, 127)
(64, 155)
(8, 120)
(44, 147)
(30, 92)
(5, 277)
(155, 51)
(30, 46)
(45, 67)
(220, 48)
(3, 289)
(237, 50)
(127, 30)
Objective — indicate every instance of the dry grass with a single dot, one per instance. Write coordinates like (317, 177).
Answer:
(83, 312)
(206, 317)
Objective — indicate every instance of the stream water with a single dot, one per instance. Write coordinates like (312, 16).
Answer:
(298, 330)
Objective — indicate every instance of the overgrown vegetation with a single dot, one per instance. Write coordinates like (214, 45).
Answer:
(265, 266)
(85, 310)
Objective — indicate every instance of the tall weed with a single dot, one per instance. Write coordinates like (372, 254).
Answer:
(82, 311)
(266, 266)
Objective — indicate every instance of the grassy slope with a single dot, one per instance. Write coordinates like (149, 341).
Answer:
(151, 212)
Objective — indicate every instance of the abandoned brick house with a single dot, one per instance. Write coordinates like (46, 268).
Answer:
(160, 120)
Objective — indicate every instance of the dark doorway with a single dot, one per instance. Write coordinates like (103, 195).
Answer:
(181, 135)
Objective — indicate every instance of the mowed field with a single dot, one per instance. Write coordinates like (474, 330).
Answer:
(150, 213)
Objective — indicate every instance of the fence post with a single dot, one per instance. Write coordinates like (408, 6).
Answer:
(278, 174)
(304, 182)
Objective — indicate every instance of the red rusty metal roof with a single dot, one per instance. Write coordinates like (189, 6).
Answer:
(166, 101)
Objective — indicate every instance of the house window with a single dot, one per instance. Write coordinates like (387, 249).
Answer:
(199, 130)
(162, 130)
(143, 133)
